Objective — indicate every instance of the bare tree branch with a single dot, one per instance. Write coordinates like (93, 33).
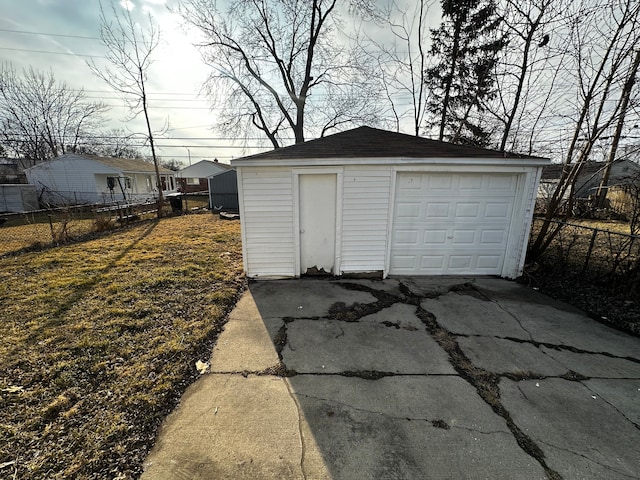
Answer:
(272, 57)
(42, 118)
(129, 51)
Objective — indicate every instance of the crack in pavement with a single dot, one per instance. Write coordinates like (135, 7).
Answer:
(486, 385)
(515, 317)
(303, 445)
(438, 423)
(282, 371)
(591, 460)
(483, 381)
(552, 346)
(611, 404)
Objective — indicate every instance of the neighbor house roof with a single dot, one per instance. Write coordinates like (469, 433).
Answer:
(375, 143)
(203, 169)
(128, 164)
(623, 168)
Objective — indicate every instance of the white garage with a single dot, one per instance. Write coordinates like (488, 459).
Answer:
(373, 201)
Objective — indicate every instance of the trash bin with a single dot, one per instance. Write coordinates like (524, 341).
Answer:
(176, 203)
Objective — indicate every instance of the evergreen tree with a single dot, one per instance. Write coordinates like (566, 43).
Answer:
(465, 47)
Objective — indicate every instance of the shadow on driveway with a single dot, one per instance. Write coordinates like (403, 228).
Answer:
(407, 378)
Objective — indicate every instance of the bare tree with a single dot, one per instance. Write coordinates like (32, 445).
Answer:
(280, 67)
(130, 48)
(524, 62)
(41, 118)
(116, 142)
(402, 63)
(603, 45)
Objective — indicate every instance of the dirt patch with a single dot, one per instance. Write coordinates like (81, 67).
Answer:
(597, 299)
(353, 313)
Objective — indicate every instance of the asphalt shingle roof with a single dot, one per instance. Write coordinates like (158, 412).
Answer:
(373, 142)
(128, 164)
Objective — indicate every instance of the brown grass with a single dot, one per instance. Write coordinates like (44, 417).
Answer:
(99, 339)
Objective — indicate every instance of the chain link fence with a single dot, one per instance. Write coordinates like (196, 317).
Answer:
(57, 225)
(584, 254)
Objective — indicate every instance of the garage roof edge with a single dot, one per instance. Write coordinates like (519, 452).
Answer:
(379, 146)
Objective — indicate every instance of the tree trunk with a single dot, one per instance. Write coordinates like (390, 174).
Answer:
(601, 194)
(521, 78)
(153, 155)
(452, 71)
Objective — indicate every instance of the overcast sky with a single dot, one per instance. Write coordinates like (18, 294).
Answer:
(60, 35)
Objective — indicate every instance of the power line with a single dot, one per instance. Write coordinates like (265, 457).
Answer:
(48, 34)
(51, 53)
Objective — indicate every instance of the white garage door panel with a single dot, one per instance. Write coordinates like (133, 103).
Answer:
(451, 223)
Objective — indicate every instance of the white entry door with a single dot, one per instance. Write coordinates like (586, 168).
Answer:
(451, 223)
(317, 203)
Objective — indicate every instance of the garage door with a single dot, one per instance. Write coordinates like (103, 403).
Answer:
(451, 223)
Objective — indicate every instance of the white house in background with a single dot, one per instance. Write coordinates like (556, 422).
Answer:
(195, 178)
(81, 179)
(373, 201)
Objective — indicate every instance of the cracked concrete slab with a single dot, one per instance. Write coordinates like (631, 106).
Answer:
(229, 426)
(498, 355)
(431, 287)
(594, 365)
(408, 428)
(621, 394)
(311, 298)
(558, 327)
(466, 315)
(444, 398)
(389, 285)
(399, 396)
(581, 434)
(331, 346)
(399, 315)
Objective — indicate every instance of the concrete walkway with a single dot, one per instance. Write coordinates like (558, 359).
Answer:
(407, 378)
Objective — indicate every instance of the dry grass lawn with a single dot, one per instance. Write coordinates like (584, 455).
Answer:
(99, 340)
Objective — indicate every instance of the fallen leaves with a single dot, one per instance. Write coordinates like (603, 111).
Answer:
(202, 367)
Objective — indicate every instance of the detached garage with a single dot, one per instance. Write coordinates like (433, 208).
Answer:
(369, 200)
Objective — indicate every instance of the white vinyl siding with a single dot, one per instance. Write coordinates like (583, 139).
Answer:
(267, 220)
(455, 219)
(366, 195)
(71, 178)
(74, 179)
(522, 223)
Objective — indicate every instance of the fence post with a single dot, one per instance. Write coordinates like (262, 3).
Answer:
(591, 243)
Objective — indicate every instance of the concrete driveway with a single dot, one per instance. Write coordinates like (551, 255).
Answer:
(407, 378)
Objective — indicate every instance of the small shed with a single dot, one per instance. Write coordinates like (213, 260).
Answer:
(373, 201)
(16, 198)
(223, 191)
